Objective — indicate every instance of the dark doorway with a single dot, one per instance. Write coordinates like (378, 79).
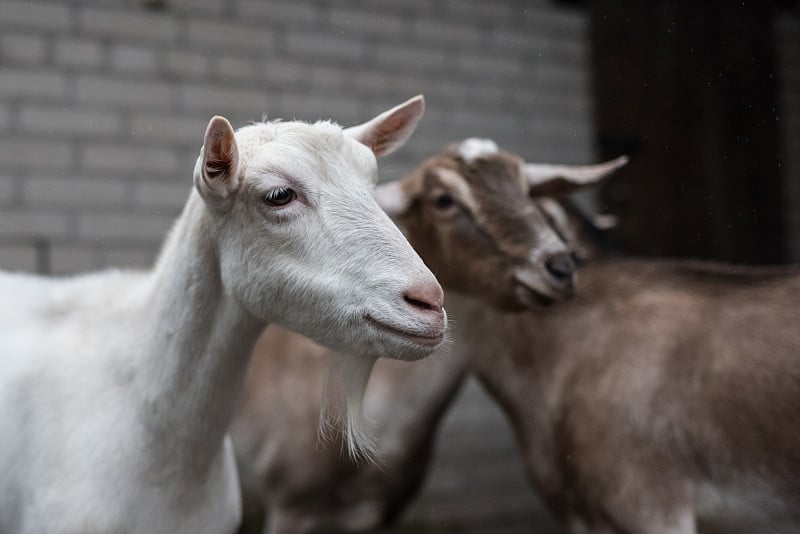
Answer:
(689, 90)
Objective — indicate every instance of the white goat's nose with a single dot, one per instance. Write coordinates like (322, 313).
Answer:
(427, 297)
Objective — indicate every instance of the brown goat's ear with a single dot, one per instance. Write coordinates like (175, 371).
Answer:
(392, 198)
(391, 129)
(216, 175)
(552, 180)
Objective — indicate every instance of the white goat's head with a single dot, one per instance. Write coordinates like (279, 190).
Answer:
(301, 241)
(472, 212)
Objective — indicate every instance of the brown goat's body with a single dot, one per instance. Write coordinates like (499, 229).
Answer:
(659, 385)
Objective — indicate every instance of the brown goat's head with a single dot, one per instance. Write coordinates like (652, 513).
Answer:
(472, 215)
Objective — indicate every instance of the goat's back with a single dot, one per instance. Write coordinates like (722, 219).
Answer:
(693, 342)
(672, 369)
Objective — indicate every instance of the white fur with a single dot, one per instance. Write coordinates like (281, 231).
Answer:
(391, 198)
(474, 148)
(116, 388)
(342, 406)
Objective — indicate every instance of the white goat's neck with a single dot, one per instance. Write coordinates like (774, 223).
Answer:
(199, 347)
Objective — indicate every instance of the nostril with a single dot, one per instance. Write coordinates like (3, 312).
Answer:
(427, 298)
(560, 266)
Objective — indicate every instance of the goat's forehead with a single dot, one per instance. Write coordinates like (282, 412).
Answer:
(498, 173)
(321, 149)
(318, 137)
(474, 148)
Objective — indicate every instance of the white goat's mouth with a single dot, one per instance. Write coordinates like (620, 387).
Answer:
(425, 339)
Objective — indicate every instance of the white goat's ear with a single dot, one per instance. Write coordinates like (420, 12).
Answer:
(216, 174)
(551, 180)
(391, 129)
(392, 198)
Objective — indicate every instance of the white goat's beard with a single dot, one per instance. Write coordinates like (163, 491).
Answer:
(342, 406)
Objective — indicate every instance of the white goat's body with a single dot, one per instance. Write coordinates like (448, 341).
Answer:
(74, 399)
(117, 389)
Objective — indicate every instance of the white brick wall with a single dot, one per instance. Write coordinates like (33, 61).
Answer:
(18, 257)
(8, 190)
(36, 15)
(64, 191)
(78, 122)
(19, 152)
(127, 23)
(36, 223)
(103, 103)
(32, 84)
(78, 53)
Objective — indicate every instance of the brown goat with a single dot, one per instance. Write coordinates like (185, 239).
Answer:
(666, 394)
(476, 198)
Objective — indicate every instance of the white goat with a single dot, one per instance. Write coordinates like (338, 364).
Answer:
(477, 198)
(116, 388)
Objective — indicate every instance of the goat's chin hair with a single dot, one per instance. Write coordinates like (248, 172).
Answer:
(342, 407)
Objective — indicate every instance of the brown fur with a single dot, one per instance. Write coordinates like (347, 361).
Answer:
(657, 377)
(476, 248)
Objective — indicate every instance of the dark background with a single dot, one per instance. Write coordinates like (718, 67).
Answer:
(703, 96)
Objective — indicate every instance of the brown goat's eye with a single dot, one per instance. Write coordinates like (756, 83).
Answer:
(279, 196)
(443, 201)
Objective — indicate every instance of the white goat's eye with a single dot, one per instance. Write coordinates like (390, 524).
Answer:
(279, 196)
